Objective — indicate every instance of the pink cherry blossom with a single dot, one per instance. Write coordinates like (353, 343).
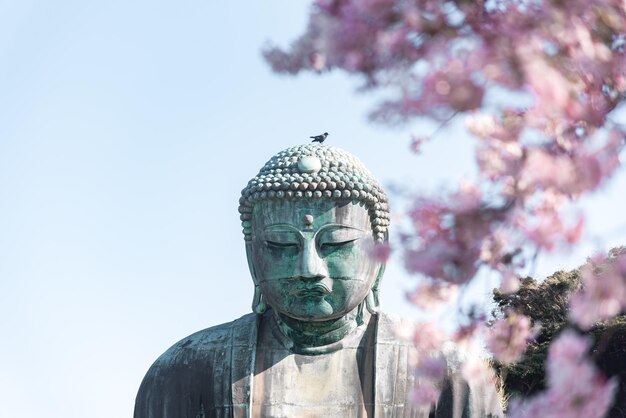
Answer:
(432, 367)
(545, 226)
(546, 171)
(453, 88)
(551, 88)
(381, 252)
(477, 372)
(485, 126)
(430, 295)
(428, 337)
(463, 336)
(499, 159)
(445, 259)
(569, 348)
(509, 336)
(510, 282)
(468, 198)
(443, 253)
(575, 388)
(494, 247)
(426, 393)
(603, 292)
(536, 156)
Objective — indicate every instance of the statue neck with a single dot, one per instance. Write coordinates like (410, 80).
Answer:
(318, 337)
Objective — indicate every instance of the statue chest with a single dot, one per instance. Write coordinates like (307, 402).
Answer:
(330, 384)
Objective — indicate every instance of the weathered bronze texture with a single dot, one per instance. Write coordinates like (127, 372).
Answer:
(316, 344)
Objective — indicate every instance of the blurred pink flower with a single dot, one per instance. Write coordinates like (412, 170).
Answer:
(510, 282)
(543, 170)
(381, 252)
(531, 157)
(432, 295)
(425, 394)
(447, 58)
(547, 229)
(441, 258)
(428, 216)
(497, 159)
(468, 198)
(485, 126)
(477, 372)
(568, 349)
(432, 367)
(603, 292)
(428, 337)
(551, 88)
(452, 87)
(452, 235)
(575, 387)
(464, 334)
(508, 337)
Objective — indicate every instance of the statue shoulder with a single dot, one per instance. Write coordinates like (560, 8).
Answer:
(182, 373)
(391, 328)
(206, 342)
(209, 339)
(394, 320)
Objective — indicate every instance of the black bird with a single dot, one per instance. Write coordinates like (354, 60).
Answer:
(319, 138)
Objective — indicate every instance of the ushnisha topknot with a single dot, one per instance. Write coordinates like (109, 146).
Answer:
(316, 171)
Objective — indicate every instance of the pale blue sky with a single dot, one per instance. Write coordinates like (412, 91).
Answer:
(127, 131)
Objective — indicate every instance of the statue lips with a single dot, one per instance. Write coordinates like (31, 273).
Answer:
(318, 289)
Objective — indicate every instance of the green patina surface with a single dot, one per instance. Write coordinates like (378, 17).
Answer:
(316, 345)
(312, 172)
(311, 261)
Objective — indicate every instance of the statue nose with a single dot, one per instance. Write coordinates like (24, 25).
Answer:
(310, 264)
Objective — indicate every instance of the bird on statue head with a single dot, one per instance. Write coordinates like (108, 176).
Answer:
(319, 138)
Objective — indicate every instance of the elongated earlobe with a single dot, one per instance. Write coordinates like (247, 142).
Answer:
(258, 303)
(359, 314)
(371, 300)
(372, 303)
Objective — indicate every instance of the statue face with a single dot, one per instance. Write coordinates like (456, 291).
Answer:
(311, 257)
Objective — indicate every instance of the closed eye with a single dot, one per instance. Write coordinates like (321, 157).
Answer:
(336, 244)
(280, 245)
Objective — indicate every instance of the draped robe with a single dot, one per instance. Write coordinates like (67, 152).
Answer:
(211, 374)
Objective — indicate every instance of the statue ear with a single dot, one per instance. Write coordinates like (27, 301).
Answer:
(258, 302)
(251, 261)
(372, 303)
(379, 276)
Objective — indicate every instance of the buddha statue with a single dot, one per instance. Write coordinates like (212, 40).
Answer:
(316, 344)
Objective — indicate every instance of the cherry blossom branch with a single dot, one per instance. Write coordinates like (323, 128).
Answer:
(536, 156)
